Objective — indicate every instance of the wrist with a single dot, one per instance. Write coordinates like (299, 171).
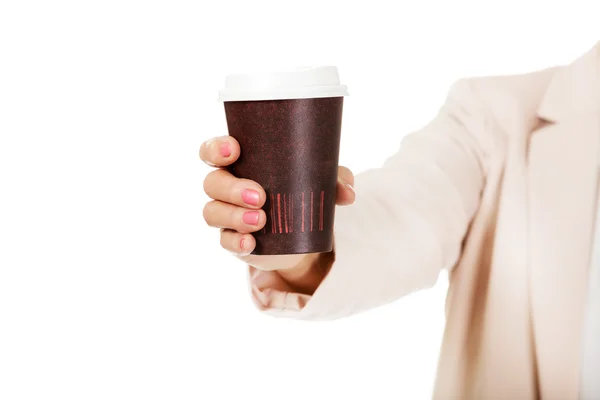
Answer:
(308, 274)
(300, 270)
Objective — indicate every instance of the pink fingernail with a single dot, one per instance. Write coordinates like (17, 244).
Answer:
(251, 218)
(242, 243)
(251, 197)
(225, 149)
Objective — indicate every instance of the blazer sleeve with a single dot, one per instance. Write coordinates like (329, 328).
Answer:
(407, 224)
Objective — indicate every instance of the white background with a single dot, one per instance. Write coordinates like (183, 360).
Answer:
(111, 287)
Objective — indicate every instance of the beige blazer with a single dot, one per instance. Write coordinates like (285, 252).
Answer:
(499, 189)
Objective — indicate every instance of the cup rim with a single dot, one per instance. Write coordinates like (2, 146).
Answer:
(291, 83)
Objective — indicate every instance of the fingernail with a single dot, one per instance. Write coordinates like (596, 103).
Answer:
(242, 251)
(250, 197)
(251, 218)
(225, 149)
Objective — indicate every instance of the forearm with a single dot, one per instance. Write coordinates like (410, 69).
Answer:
(408, 222)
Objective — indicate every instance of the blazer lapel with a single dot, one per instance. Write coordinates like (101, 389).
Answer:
(563, 182)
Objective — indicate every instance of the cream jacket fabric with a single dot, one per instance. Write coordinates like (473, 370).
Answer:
(500, 189)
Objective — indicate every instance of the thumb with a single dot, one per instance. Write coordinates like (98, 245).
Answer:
(345, 189)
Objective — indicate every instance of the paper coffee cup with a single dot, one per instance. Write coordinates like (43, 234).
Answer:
(288, 124)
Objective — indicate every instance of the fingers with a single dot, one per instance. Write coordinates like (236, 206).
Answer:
(238, 243)
(227, 216)
(221, 185)
(220, 152)
(345, 189)
(346, 176)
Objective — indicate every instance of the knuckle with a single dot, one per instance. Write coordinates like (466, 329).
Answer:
(235, 219)
(210, 181)
(223, 238)
(206, 184)
(206, 212)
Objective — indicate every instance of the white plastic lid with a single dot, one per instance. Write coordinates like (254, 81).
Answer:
(298, 83)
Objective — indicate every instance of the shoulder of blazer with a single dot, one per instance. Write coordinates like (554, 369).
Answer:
(512, 101)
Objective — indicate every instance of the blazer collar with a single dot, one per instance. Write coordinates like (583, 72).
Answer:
(562, 168)
(573, 89)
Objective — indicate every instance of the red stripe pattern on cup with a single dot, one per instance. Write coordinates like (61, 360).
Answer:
(281, 212)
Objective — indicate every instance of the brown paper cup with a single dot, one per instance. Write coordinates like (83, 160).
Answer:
(288, 124)
(291, 148)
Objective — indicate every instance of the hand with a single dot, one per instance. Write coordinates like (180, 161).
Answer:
(236, 205)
